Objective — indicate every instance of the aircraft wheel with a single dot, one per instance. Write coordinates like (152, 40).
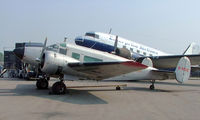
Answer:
(118, 88)
(151, 87)
(42, 84)
(59, 88)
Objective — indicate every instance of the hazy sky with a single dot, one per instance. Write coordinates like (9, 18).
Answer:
(169, 25)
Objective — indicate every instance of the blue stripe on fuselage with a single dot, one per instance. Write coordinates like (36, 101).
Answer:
(100, 46)
(95, 45)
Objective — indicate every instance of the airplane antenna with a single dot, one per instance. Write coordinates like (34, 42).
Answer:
(110, 30)
(65, 39)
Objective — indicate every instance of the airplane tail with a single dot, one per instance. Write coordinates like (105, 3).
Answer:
(183, 69)
(193, 48)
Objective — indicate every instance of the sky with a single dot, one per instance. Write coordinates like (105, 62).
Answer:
(168, 25)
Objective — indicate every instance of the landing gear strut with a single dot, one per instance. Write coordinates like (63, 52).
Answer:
(152, 87)
(42, 83)
(59, 87)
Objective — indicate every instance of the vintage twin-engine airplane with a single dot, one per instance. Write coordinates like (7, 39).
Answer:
(80, 62)
(138, 52)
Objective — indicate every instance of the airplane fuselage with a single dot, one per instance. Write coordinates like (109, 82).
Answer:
(105, 42)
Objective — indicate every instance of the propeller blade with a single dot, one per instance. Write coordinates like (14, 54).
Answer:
(42, 52)
(115, 45)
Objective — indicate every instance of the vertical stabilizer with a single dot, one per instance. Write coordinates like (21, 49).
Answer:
(183, 70)
(193, 48)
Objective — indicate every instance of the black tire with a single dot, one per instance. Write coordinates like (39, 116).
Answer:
(42, 84)
(59, 88)
(151, 87)
(118, 88)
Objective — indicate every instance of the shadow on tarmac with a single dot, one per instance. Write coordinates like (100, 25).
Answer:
(164, 83)
(84, 96)
(74, 97)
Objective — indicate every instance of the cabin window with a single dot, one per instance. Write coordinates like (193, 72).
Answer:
(76, 56)
(138, 51)
(91, 59)
(144, 53)
(63, 51)
(131, 49)
(150, 55)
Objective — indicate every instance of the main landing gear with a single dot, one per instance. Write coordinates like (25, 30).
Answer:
(42, 83)
(152, 87)
(59, 87)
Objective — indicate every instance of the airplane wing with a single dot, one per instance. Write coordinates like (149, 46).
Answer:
(103, 70)
(167, 62)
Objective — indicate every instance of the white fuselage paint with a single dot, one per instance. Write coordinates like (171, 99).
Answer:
(134, 47)
(84, 51)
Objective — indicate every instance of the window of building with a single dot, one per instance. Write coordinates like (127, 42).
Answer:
(91, 59)
(138, 51)
(144, 53)
(131, 49)
(76, 56)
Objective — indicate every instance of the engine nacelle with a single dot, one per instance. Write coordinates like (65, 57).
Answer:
(54, 63)
(123, 52)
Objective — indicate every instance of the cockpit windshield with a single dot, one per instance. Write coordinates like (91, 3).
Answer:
(60, 48)
(92, 35)
(53, 47)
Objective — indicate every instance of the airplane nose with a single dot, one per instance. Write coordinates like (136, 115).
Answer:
(19, 52)
(79, 39)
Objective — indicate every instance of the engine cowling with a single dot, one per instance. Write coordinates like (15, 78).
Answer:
(54, 63)
(123, 52)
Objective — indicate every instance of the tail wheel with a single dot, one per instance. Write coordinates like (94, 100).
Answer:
(151, 87)
(59, 88)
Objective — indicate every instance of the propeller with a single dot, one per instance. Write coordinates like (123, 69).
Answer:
(42, 52)
(115, 45)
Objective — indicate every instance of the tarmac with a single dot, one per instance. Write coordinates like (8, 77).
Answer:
(20, 100)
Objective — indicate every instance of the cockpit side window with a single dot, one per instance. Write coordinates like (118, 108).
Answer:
(90, 34)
